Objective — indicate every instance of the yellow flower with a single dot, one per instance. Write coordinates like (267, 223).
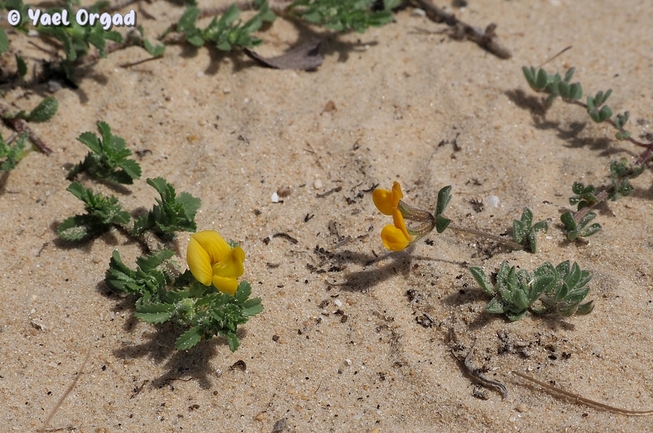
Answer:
(397, 237)
(212, 261)
(387, 201)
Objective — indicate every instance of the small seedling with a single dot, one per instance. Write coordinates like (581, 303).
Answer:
(228, 32)
(101, 214)
(525, 233)
(171, 213)
(570, 290)
(557, 289)
(10, 155)
(42, 113)
(344, 16)
(108, 158)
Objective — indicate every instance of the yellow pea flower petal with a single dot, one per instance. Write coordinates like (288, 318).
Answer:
(398, 219)
(394, 238)
(225, 285)
(212, 260)
(216, 247)
(199, 262)
(387, 201)
(383, 200)
(232, 264)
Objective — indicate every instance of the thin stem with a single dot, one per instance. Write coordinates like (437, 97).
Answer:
(611, 122)
(485, 38)
(578, 399)
(507, 242)
(602, 196)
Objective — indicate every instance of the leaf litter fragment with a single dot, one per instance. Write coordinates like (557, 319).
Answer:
(304, 57)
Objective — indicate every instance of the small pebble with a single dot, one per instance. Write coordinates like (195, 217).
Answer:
(318, 183)
(284, 191)
(493, 201)
(274, 197)
(338, 302)
(54, 86)
(521, 408)
(417, 12)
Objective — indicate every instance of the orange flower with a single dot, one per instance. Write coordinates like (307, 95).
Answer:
(397, 237)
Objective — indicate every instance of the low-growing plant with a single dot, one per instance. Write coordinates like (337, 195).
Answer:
(586, 197)
(344, 16)
(10, 154)
(43, 112)
(524, 232)
(548, 289)
(399, 235)
(108, 158)
(207, 300)
(75, 39)
(171, 213)
(101, 214)
(228, 32)
(216, 306)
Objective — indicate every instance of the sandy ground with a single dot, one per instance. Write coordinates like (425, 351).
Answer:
(342, 347)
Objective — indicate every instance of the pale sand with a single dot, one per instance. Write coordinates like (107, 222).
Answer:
(232, 133)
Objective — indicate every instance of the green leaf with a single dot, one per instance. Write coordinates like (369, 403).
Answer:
(101, 213)
(567, 219)
(621, 120)
(189, 338)
(108, 158)
(4, 41)
(91, 141)
(495, 306)
(170, 214)
(591, 230)
(12, 154)
(483, 280)
(444, 197)
(341, 16)
(80, 227)
(119, 277)
(586, 308)
(154, 50)
(155, 313)
(576, 91)
(152, 261)
(44, 111)
(525, 233)
(252, 307)
(131, 168)
(230, 16)
(20, 63)
(188, 19)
